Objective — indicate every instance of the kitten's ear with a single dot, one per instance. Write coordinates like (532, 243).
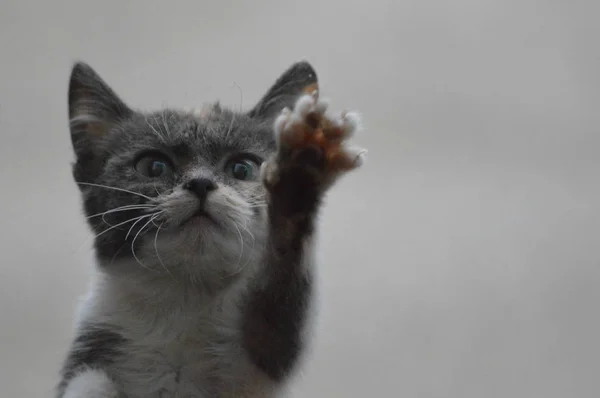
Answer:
(94, 109)
(298, 79)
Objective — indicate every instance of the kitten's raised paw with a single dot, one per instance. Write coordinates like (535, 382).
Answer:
(312, 143)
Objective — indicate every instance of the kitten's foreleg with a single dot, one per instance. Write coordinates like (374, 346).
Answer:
(310, 156)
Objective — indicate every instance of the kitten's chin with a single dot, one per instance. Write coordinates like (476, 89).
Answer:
(199, 233)
(199, 249)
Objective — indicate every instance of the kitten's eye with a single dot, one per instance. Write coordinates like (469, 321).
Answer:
(154, 166)
(243, 169)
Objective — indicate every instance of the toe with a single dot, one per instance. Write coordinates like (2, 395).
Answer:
(304, 105)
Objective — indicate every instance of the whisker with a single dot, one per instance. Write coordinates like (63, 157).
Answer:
(156, 189)
(154, 222)
(241, 242)
(134, 224)
(107, 223)
(241, 95)
(122, 208)
(136, 236)
(108, 229)
(156, 249)
(115, 189)
(165, 123)
(153, 129)
(245, 227)
(230, 126)
(241, 268)
(253, 246)
(117, 225)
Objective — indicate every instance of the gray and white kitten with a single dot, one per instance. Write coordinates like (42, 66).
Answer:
(205, 276)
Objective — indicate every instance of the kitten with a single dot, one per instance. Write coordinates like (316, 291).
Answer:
(204, 278)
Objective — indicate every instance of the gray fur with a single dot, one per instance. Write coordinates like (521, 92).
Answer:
(169, 304)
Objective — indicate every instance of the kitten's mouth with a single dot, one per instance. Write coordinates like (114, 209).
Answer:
(200, 216)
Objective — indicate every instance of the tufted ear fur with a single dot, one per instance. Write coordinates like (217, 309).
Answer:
(94, 111)
(298, 79)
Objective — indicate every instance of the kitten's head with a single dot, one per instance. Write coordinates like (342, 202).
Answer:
(175, 192)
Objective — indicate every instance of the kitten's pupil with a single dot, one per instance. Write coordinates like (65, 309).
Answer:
(154, 166)
(157, 168)
(242, 170)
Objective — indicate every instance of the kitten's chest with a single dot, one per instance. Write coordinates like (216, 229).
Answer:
(171, 369)
(189, 367)
(183, 352)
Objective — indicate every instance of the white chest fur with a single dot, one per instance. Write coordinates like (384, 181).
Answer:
(175, 346)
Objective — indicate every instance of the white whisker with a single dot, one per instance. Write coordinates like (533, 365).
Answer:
(245, 227)
(241, 95)
(165, 123)
(107, 223)
(118, 225)
(156, 249)
(136, 236)
(241, 242)
(153, 129)
(108, 229)
(122, 208)
(115, 189)
(156, 189)
(134, 224)
(230, 126)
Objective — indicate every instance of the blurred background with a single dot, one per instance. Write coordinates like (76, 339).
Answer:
(461, 261)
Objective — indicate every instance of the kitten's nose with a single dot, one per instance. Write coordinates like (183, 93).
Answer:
(200, 186)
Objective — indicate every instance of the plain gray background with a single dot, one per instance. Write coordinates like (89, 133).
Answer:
(462, 261)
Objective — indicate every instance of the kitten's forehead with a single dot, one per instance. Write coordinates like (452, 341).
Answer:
(212, 134)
